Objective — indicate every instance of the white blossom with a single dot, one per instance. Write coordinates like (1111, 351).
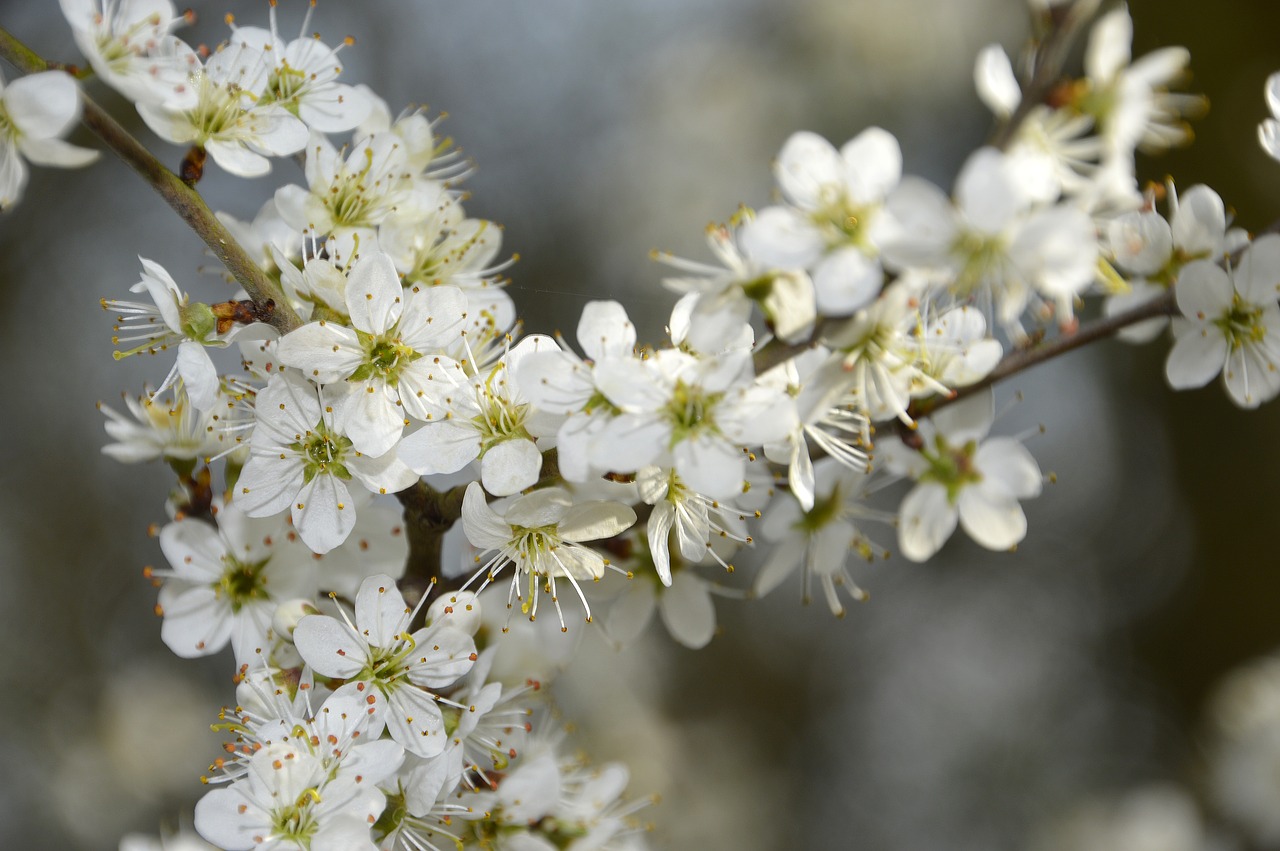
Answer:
(486, 417)
(540, 535)
(229, 118)
(962, 476)
(225, 583)
(389, 669)
(301, 459)
(128, 44)
(832, 224)
(35, 112)
(1230, 324)
(390, 358)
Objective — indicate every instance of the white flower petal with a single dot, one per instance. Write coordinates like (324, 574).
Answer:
(234, 158)
(687, 611)
(268, 484)
(604, 331)
(1109, 50)
(372, 417)
(56, 153)
(1141, 241)
(381, 611)
(440, 447)
(414, 721)
(927, 521)
(13, 174)
(1257, 277)
(374, 294)
(596, 520)
(991, 515)
(443, 656)
(968, 419)
(710, 465)
(806, 167)
(199, 375)
(324, 351)
(510, 467)
(196, 623)
(631, 612)
(43, 105)
(782, 562)
(330, 646)
(1197, 356)
(229, 819)
(987, 193)
(659, 533)
(1007, 461)
(484, 528)
(1204, 290)
(782, 237)
(872, 165)
(1200, 222)
(323, 513)
(994, 80)
(845, 281)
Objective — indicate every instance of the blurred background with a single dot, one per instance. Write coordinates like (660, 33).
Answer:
(974, 703)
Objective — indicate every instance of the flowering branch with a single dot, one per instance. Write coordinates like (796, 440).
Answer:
(185, 201)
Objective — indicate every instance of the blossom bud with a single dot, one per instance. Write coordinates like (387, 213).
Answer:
(287, 615)
(458, 609)
(198, 321)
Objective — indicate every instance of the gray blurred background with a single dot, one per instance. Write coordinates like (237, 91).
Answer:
(971, 700)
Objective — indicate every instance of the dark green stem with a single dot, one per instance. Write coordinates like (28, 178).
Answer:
(428, 515)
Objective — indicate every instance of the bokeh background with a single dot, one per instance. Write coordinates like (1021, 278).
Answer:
(973, 701)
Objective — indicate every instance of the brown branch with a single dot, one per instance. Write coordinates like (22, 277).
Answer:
(185, 201)
(1025, 358)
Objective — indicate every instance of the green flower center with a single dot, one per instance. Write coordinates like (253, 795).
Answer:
(8, 130)
(285, 85)
(499, 419)
(1098, 103)
(242, 582)
(823, 512)
(385, 357)
(529, 544)
(689, 411)
(395, 812)
(843, 223)
(983, 257)
(951, 467)
(295, 822)
(874, 341)
(323, 451)
(1242, 323)
(216, 112)
(386, 664)
(348, 200)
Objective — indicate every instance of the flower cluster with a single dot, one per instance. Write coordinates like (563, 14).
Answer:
(842, 343)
